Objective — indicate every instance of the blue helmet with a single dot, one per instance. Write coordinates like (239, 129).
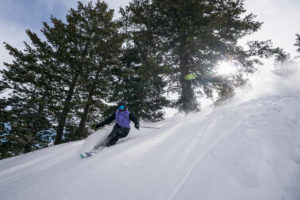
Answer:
(122, 105)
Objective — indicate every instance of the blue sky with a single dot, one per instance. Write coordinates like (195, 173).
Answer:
(29, 13)
(18, 15)
(281, 20)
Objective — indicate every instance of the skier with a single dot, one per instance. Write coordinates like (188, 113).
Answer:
(122, 127)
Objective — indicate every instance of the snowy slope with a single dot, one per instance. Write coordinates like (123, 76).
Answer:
(248, 148)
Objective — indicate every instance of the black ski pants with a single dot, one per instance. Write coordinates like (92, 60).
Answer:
(117, 133)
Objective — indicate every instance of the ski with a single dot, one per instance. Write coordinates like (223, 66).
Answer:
(86, 154)
(90, 153)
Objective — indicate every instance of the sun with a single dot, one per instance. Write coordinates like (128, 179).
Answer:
(227, 68)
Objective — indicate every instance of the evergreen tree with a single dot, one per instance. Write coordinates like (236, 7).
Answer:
(297, 44)
(194, 36)
(99, 30)
(26, 124)
(59, 85)
(85, 46)
(141, 79)
(69, 51)
(6, 147)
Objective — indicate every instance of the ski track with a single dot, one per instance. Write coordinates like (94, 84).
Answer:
(201, 157)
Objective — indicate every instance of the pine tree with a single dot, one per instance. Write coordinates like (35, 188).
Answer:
(86, 45)
(141, 85)
(61, 84)
(141, 77)
(68, 51)
(297, 44)
(7, 148)
(29, 85)
(194, 35)
(102, 33)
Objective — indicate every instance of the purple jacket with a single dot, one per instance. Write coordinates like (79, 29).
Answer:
(122, 118)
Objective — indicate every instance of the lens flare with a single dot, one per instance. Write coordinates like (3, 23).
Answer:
(227, 68)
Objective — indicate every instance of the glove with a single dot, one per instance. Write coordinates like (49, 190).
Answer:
(137, 126)
(96, 126)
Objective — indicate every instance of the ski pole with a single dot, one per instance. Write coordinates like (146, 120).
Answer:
(149, 127)
(91, 131)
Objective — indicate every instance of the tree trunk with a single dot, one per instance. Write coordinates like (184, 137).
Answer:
(79, 131)
(187, 93)
(66, 109)
(35, 125)
(27, 148)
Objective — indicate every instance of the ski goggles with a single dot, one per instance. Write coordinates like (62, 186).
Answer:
(121, 107)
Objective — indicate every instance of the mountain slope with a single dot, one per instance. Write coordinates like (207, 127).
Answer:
(246, 149)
